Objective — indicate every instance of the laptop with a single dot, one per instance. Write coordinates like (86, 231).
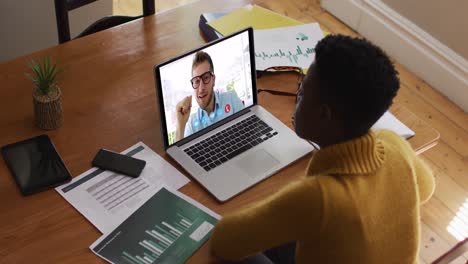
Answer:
(211, 122)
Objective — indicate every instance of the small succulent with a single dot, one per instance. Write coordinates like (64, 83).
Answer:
(44, 74)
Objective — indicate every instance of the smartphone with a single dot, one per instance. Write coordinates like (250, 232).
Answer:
(116, 162)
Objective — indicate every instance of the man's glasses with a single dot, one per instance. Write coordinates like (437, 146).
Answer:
(299, 92)
(300, 89)
(205, 78)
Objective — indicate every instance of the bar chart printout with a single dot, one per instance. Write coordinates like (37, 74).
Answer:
(166, 229)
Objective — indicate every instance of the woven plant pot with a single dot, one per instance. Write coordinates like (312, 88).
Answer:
(48, 112)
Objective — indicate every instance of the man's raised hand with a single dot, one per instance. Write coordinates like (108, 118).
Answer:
(183, 110)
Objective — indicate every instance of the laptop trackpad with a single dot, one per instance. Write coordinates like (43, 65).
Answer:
(257, 163)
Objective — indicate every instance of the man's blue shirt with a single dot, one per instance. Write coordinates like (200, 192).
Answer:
(226, 104)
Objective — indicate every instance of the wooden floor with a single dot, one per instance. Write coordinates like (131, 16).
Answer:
(443, 220)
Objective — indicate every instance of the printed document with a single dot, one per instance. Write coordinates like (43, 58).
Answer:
(107, 198)
(168, 228)
(389, 121)
(286, 46)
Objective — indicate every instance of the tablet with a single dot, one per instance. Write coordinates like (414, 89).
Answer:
(35, 164)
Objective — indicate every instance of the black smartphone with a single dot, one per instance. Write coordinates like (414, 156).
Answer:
(120, 163)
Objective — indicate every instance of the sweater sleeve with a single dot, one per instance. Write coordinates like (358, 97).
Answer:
(423, 175)
(271, 222)
(424, 179)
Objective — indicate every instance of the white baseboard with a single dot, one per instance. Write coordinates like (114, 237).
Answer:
(408, 44)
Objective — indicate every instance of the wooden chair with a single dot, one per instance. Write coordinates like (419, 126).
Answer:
(457, 251)
(62, 7)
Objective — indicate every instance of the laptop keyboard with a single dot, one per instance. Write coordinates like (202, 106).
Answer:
(230, 142)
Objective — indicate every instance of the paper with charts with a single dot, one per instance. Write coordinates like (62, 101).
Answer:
(106, 198)
(286, 46)
(168, 228)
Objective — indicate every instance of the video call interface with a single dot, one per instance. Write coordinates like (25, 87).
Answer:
(197, 97)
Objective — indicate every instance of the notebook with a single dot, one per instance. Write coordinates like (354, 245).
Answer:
(212, 124)
(209, 33)
(251, 16)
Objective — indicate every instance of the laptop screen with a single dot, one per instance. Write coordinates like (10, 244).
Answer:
(199, 89)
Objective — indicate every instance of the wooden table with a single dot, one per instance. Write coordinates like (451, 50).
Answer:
(109, 101)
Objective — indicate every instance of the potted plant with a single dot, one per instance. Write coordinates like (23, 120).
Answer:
(48, 112)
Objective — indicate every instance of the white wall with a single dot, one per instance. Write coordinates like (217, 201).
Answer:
(29, 25)
(446, 20)
(429, 58)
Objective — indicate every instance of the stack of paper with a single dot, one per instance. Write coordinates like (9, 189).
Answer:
(279, 40)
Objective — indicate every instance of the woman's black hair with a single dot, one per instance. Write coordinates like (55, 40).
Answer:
(357, 77)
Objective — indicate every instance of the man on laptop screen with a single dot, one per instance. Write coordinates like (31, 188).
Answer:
(213, 105)
(205, 87)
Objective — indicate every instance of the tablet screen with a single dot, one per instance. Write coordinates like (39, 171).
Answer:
(35, 164)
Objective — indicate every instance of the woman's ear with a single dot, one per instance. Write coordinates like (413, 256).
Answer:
(325, 112)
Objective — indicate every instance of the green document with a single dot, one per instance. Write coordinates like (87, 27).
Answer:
(168, 228)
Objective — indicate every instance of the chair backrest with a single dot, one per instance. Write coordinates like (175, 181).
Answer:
(454, 253)
(62, 7)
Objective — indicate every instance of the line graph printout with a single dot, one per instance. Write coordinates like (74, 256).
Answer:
(286, 46)
(292, 56)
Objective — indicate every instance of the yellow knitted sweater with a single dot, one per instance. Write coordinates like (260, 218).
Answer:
(359, 203)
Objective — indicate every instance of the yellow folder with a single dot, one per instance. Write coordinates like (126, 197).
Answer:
(251, 16)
